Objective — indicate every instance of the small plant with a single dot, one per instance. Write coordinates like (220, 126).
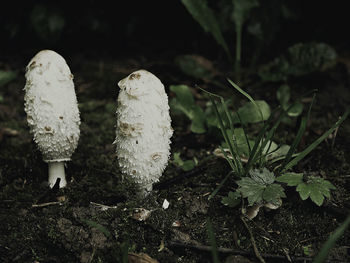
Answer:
(204, 120)
(186, 165)
(259, 178)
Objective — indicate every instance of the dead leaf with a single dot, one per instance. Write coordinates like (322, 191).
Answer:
(141, 214)
(140, 258)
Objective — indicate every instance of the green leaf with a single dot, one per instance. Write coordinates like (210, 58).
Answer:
(204, 15)
(291, 179)
(316, 188)
(262, 176)
(195, 66)
(251, 189)
(316, 143)
(241, 10)
(254, 112)
(198, 119)
(184, 165)
(6, 77)
(247, 96)
(232, 199)
(273, 193)
(184, 103)
(283, 95)
(296, 109)
(183, 94)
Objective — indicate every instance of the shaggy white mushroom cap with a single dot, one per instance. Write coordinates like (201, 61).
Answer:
(143, 127)
(51, 106)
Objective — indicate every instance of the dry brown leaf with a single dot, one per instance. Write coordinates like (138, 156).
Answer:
(141, 214)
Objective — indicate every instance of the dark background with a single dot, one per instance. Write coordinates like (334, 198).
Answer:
(121, 28)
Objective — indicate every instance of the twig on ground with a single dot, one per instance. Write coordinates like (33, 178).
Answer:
(46, 204)
(256, 251)
(244, 253)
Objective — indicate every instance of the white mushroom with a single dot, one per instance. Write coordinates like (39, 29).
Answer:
(52, 111)
(143, 128)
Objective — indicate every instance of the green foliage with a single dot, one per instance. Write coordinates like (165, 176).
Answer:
(6, 77)
(187, 165)
(204, 15)
(251, 112)
(232, 199)
(184, 103)
(194, 66)
(201, 121)
(314, 187)
(301, 59)
(283, 96)
(259, 187)
(256, 182)
(322, 256)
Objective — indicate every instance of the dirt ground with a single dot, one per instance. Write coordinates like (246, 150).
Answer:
(98, 217)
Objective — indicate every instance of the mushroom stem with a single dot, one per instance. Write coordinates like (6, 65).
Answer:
(56, 170)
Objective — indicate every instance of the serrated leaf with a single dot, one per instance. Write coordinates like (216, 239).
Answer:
(251, 189)
(303, 190)
(291, 179)
(316, 188)
(232, 199)
(273, 193)
(262, 176)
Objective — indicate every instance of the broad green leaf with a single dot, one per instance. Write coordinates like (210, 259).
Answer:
(291, 179)
(283, 95)
(232, 199)
(296, 109)
(316, 188)
(195, 66)
(204, 15)
(184, 165)
(198, 120)
(6, 77)
(184, 103)
(251, 113)
(273, 193)
(262, 176)
(251, 189)
(183, 95)
(304, 191)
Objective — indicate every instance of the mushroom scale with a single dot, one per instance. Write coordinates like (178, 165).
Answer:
(143, 128)
(52, 110)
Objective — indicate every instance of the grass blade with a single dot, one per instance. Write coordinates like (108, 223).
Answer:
(214, 249)
(295, 143)
(247, 96)
(213, 194)
(322, 256)
(302, 154)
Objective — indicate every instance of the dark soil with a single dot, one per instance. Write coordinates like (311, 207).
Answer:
(95, 218)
